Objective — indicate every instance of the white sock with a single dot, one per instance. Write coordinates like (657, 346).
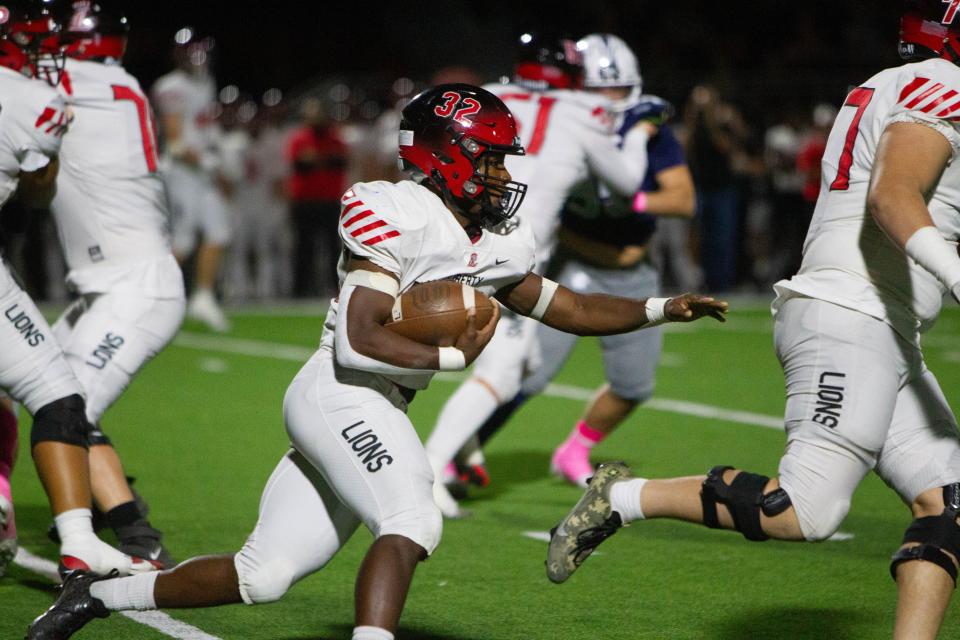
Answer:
(625, 499)
(461, 417)
(123, 594)
(371, 633)
(74, 524)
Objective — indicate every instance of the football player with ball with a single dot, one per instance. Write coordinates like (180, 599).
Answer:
(356, 458)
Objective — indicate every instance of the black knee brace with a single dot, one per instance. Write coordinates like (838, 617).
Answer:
(62, 420)
(936, 535)
(97, 437)
(744, 498)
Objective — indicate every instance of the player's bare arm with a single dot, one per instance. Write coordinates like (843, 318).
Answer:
(600, 314)
(37, 188)
(369, 310)
(910, 158)
(675, 195)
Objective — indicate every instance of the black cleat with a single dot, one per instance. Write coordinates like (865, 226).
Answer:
(141, 540)
(74, 608)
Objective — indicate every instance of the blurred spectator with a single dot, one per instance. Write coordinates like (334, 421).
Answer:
(811, 153)
(318, 160)
(261, 260)
(715, 138)
(789, 215)
(185, 100)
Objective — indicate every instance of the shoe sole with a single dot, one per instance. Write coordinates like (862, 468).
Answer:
(592, 510)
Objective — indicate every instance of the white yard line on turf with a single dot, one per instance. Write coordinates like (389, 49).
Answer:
(154, 619)
(263, 349)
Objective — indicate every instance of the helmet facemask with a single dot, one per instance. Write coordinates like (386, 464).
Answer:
(487, 199)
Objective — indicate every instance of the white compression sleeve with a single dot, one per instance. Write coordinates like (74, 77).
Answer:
(622, 170)
(937, 256)
(347, 356)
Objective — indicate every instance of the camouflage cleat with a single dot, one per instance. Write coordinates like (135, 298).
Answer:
(590, 522)
(74, 608)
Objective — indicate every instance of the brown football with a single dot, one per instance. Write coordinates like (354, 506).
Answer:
(435, 313)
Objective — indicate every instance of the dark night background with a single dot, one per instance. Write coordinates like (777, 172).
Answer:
(763, 55)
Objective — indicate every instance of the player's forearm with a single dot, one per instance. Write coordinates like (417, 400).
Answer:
(363, 343)
(678, 202)
(596, 314)
(903, 215)
(383, 347)
(622, 170)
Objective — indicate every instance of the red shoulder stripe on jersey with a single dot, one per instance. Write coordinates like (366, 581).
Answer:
(386, 236)
(359, 216)
(939, 101)
(915, 84)
(516, 96)
(948, 110)
(45, 117)
(350, 206)
(923, 96)
(376, 224)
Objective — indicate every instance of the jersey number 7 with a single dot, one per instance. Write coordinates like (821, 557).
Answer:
(147, 137)
(859, 98)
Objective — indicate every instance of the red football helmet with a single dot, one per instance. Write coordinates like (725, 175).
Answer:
(92, 30)
(546, 61)
(29, 39)
(445, 132)
(930, 29)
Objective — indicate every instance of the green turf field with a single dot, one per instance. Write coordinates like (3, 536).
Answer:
(201, 429)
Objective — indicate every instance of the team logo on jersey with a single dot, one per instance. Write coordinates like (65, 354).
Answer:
(24, 325)
(105, 351)
(472, 262)
(52, 121)
(829, 399)
(367, 446)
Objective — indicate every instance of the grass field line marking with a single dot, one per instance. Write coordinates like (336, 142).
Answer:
(263, 349)
(157, 620)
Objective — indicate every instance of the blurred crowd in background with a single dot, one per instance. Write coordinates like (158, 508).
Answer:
(284, 155)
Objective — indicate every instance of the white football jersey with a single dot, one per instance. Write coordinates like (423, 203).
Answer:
(406, 229)
(110, 207)
(567, 135)
(33, 119)
(847, 258)
(193, 98)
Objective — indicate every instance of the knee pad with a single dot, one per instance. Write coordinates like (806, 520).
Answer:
(744, 499)
(936, 535)
(62, 420)
(262, 581)
(424, 526)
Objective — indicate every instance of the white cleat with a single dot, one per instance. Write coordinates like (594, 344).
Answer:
(8, 535)
(446, 503)
(204, 308)
(91, 554)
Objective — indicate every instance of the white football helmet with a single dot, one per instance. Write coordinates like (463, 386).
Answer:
(609, 62)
